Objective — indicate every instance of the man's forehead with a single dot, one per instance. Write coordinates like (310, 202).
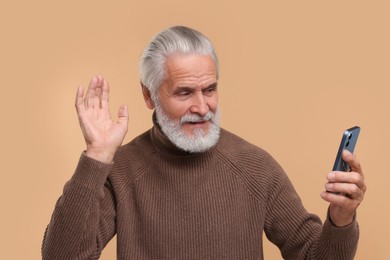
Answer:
(196, 66)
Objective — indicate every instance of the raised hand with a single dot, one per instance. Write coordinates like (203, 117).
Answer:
(102, 135)
(345, 191)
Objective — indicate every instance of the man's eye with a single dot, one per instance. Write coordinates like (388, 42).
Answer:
(210, 91)
(184, 93)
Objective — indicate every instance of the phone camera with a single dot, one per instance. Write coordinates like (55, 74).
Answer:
(347, 144)
(350, 136)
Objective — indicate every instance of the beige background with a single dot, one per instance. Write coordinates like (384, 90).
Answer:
(294, 75)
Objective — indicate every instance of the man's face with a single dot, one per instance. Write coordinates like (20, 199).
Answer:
(188, 101)
(190, 88)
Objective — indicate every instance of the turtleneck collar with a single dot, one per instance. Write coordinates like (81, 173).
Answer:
(162, 142)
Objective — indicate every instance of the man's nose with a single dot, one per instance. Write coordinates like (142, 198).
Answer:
(199, 104)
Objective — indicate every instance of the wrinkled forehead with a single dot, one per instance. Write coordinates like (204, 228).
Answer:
(190, 68)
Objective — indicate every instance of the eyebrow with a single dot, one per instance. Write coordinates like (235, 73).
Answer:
(183, 88)
(190, 89)
(212, 86)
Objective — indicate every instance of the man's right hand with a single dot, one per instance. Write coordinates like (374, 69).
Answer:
(102, 135)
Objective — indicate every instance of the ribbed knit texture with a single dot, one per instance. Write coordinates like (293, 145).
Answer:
(164, 203)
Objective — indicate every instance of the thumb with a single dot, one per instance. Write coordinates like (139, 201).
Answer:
(123, 115)
(353, 162)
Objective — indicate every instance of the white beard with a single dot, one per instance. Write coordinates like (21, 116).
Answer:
(199, 141)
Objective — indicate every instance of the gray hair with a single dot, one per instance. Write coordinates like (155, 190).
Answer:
(173, 40)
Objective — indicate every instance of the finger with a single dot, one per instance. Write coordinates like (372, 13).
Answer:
(105, 95)
(348, 189)
(340, 200)
(79, 103)
(123, 116)
(91, 93)
(97, 98)
(100, 79)
(353, 162)
(348, 178)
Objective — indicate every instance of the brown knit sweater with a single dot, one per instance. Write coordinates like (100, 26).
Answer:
(163, 203)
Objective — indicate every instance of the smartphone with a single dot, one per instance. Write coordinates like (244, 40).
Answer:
(348, 142)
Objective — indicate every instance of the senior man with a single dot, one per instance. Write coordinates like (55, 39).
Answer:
(187, 189)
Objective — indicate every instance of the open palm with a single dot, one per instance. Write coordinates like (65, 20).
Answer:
(102, 135)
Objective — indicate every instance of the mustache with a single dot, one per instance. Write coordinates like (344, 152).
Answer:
(194, 118)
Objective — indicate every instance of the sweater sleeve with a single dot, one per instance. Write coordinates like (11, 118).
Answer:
(301, 235)
(83, 220)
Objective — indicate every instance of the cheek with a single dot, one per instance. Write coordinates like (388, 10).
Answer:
(213, 103)
(176, 110)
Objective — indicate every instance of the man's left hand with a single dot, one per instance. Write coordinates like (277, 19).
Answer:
(345, 191)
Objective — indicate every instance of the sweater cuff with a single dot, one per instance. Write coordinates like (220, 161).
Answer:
(91, 173)
(349, 232)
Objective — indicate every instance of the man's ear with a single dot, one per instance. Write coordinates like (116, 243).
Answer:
(147, 97)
